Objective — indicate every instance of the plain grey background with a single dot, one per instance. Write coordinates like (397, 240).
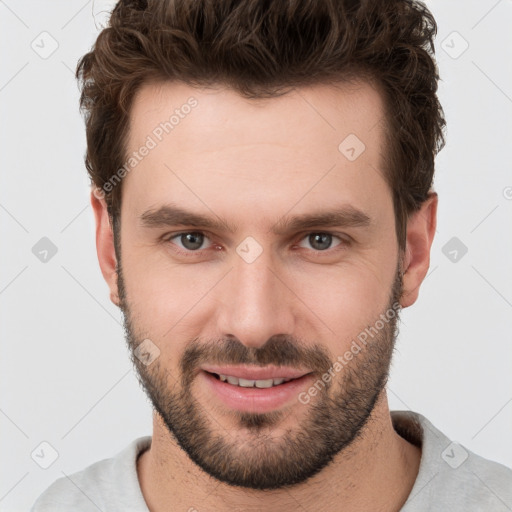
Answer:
(65, 375)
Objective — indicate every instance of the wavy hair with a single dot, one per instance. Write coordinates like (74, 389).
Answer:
(263, 49)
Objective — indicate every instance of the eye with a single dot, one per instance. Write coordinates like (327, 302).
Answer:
(321, 241)
(191, 241)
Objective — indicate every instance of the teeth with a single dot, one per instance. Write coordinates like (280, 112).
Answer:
(246, 383)
(232, 380)
(267, 383)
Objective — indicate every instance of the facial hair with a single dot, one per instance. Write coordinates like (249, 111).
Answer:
(259, 459)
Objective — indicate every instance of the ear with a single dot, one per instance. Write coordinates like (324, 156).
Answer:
(105, 243)
(421, 227)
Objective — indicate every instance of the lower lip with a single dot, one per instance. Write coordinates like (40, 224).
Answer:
(254, 399)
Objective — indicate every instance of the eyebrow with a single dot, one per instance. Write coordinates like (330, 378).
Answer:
(171, 215)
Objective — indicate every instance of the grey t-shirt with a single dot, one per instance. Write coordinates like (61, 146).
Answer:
(450, 478)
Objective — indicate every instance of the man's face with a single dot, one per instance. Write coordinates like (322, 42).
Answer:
(258, 291)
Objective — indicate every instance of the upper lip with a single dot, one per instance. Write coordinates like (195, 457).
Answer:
(256, 372)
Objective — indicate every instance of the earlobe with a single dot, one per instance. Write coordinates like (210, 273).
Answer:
(421, 227)
(105, 243)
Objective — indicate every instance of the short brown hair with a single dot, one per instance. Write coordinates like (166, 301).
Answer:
(262, 49)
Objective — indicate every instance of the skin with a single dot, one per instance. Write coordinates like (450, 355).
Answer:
(252, 163)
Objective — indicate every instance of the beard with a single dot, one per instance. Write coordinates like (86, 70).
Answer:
(253, 456)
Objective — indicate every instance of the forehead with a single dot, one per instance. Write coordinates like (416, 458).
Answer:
(223, 114)
(321, 141)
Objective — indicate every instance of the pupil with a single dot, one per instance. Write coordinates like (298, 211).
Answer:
(320, 241)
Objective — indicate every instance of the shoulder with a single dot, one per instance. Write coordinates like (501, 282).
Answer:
(452, 477)
(109, 484)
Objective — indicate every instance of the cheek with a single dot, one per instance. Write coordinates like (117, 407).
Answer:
(347, 298)
(166, 298)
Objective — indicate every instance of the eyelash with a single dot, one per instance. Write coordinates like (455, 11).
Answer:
(188, 253)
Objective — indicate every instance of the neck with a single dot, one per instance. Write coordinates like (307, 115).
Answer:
(376, 472)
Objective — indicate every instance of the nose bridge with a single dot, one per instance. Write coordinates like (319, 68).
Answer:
(256, 305)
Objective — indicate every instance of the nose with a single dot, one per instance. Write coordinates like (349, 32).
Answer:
(255, 302)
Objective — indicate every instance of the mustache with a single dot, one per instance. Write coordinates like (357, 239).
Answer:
(279, 350)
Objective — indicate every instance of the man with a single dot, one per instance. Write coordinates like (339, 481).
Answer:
(262, 187)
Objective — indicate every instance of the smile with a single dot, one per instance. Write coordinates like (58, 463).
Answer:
(249, 383)
(253, 394)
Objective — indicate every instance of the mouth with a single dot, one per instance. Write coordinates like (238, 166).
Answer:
(254, 389)
(251, 383)
(254, 373)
